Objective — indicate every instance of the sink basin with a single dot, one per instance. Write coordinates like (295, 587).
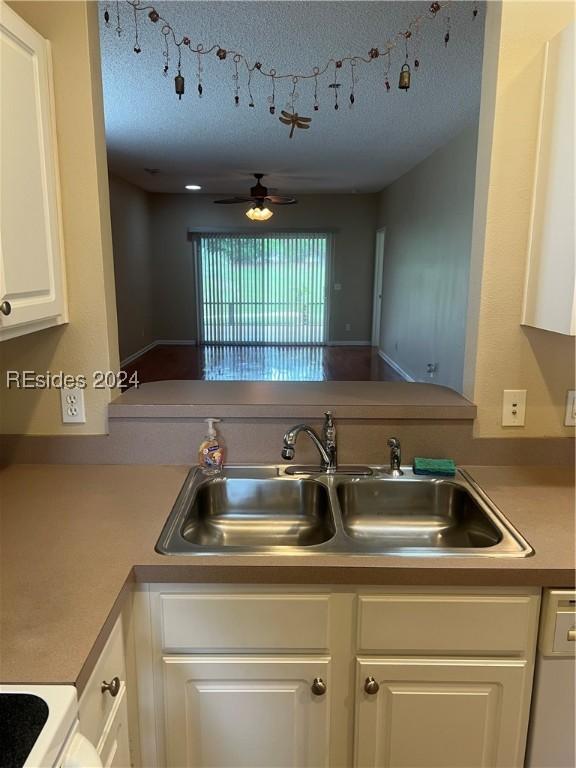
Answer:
(414, 513)
(262, 510)
(273, 512)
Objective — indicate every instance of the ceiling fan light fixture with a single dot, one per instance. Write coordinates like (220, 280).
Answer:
(259, 213)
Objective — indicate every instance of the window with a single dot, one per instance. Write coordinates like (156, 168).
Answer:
(263, 289)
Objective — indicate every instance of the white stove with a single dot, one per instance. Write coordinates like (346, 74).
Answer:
(49, 738)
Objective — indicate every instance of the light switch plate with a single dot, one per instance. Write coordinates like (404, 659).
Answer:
(514, 408)
(72, 403)
(570, 415)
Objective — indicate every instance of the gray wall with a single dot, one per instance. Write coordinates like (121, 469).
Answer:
(132, 266)
(352, 216)
(427, 215)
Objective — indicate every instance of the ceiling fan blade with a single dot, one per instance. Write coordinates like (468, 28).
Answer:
(303, 125)
(232, 200)
(285, 120)
(279, 200)
(304, 119)
(259, 194)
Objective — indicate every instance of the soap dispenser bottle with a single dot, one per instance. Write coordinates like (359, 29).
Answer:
(211, 450)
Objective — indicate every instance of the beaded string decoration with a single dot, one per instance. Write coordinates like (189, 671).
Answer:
(272, 97)
(118, 26)
(137, 48)
(409, 37)
(353, 81)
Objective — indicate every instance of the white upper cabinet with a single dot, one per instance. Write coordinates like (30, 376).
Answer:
(550, 295)
(32, 294)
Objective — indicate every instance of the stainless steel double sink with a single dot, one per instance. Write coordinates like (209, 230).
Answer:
(263, 510)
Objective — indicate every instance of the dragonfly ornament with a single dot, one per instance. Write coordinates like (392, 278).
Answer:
(294, 120)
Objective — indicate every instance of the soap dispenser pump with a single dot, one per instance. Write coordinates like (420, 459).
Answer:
(211, 450)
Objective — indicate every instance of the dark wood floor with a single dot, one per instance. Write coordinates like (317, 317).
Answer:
(261, 363)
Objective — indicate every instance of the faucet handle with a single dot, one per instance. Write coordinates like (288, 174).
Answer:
(329, 427)
(395, 457)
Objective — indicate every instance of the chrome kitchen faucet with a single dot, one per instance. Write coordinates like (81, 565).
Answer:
(326, 445)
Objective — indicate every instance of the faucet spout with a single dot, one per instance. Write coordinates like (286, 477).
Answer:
(288, 451)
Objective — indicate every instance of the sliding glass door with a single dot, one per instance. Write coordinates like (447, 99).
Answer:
(263, 289)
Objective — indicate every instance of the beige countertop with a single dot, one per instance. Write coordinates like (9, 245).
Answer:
(261, 399)
(73, 538)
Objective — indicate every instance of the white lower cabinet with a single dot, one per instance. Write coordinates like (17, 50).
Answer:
(439, 713)
(334, 676)
(103, 705)
(114, 744)
(246, 712)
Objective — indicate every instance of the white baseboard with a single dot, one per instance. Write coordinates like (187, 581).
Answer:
(133, 356)
(349, 343)
(157, 343)
(394, 364)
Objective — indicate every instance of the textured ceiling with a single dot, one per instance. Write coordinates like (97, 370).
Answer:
(211, 142)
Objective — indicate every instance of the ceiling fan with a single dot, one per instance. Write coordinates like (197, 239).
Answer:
(260, 200)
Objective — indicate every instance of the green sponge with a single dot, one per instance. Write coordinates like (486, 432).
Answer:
(444, 467)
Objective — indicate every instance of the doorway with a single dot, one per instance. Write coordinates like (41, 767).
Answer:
(378, 287)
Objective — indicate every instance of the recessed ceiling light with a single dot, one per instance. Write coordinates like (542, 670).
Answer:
(193, 187)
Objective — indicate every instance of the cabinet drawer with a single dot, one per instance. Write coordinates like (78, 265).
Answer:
(244, 622)
(457, 623)
(558, 623)
(96, 706)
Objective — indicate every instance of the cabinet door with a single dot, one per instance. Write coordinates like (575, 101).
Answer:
(246, 712)
(31, 272)
(114, 744)
(550, 291)
(441, 713)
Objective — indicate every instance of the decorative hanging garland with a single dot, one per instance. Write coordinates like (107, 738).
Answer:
(408, 38)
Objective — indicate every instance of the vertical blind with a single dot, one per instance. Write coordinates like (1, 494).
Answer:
(263, 289)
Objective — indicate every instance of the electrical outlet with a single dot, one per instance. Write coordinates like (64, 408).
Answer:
(337, 286)
(72, 403)
(514, 408)
(570, 414)
(347, 327)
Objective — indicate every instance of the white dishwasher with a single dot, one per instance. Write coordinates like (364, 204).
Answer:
(551, 738)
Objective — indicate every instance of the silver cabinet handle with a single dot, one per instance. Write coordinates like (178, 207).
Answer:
(318, 687)
(5, 308)
(571, 635)
(113, 687)
(371, 686)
